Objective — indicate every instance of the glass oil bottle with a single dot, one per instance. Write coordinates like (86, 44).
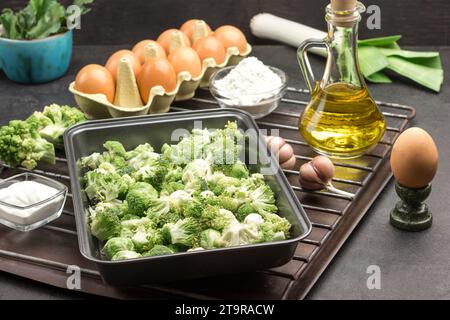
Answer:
(342, 119)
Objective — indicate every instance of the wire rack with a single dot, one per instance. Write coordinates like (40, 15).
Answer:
(46, 254)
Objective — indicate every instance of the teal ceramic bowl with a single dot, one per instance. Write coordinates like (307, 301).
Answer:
(36, 61)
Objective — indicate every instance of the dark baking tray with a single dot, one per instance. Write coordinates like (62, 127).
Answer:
(46, 254)
(88, 137)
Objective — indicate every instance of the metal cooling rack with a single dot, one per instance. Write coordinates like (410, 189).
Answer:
(45, 254)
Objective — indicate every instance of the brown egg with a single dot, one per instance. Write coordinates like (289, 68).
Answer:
(114, 59)
(186, 59)
(231, 37)
(189, 26)
(210, 47)
(139, 49)
(414, 158)
(94, 78)
(156, 72)
(164, 39)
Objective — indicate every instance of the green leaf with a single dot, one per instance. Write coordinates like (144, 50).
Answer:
(428, 59)
(426, 76)
(49, 23)
(82, 4)
(9, 22)
(371, 60)
(378, 77)
(380, 42)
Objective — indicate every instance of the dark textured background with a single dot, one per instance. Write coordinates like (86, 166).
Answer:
(421, 22)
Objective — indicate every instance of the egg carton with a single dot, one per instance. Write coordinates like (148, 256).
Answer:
(127, 100)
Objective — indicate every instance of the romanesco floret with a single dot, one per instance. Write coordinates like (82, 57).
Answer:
(54, 120)
(21, 144)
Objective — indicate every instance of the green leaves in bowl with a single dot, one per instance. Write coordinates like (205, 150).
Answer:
(39, 19)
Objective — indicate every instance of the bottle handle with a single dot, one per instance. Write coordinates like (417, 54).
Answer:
(303, 61)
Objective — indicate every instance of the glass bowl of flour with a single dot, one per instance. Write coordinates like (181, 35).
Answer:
(250, 86)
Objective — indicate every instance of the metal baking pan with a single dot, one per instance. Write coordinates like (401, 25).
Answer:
(86, 138)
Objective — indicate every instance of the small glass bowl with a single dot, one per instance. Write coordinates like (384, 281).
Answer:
(258, 105)
(27, 218)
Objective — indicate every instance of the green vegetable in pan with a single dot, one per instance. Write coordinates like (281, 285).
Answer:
(183, 199)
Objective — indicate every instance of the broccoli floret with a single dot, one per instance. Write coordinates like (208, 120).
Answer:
(188, 149)
(210, 238)
(178, 200)
(21, 144)
(115, 148)
(217, 219)
(146, 238)
(92, 161)
(160, 212)
(220, 183)
(130, 226)
(54, 120)
(153, 174)
(244, 210)
(237, 170)
(125, 182)
(117, 244)
(125, 255)
(198, 168)
(240, 233)
(139, 197)
(183, 232)
(263, 199)
(170, 187)
(141, 156)
(194, 209)
(276, 223)
(158, 250)
(105, 222)
(102, 185)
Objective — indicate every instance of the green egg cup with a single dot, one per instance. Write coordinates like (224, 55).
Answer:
(411, 213)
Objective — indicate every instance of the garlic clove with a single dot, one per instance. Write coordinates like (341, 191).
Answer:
(285, 153)
(324, 168)
(309, 179)
(289, 164)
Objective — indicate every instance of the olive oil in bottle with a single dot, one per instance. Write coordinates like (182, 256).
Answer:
(341, 121)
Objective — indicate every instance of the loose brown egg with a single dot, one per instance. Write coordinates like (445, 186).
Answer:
(189, 26)
(414, 158)
(231, 37)
(139, 49)
(94, 78)
(210, 47)
(114, 59)
(156, 72)
(164, 39)
(186, 59)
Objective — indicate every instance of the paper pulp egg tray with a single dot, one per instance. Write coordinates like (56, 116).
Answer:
(127, 101)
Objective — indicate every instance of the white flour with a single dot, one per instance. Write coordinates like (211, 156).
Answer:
(249, 82)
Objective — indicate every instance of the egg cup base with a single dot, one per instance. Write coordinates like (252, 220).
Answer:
(411, 213)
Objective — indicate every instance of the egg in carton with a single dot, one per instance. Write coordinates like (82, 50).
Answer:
(128, 100)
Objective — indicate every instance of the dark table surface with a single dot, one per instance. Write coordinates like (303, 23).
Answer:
(412, 265)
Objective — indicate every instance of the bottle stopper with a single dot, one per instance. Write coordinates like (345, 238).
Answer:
(343, 5)
(414, 161)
